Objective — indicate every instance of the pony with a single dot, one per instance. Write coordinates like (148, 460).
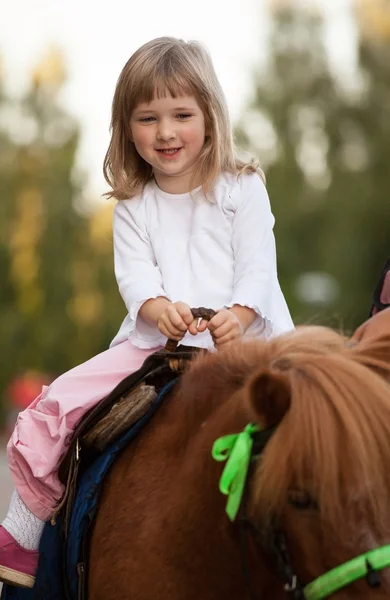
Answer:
(313, 520)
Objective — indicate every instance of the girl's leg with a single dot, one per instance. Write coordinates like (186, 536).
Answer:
(22, 524)
(44, 430)
(41, 437)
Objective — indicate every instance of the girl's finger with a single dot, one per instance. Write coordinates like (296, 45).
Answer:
(173, 336)
(193, 327)
(176, 321)
(169, 335)
(224, 329)
(170, 330)
(186, 315)
(202, 325)
(226, 339)
(222, 316)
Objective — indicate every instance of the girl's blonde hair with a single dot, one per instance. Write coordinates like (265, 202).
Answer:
(180, 68)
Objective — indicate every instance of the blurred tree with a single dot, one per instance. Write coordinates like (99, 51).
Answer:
(53, 315)
(374, 20)
(325, 144)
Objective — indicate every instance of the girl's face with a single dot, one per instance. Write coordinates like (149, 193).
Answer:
(169, 134)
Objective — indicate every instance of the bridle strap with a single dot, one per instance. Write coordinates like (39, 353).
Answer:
(283, 566)
(277, 547)
(274, 545)
(362, 566)
(243, 524)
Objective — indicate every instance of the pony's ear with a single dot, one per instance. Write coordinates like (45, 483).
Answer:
(374, 353)
(269, 396)
(377, 326)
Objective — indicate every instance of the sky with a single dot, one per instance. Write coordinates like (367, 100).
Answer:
(97, 38)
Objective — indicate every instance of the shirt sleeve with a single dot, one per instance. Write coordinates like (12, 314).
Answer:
(255, 270)
(136, 270)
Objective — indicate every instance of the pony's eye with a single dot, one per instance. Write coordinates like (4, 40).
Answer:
(302, 500)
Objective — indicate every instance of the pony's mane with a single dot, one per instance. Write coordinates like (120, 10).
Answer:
(334, 441)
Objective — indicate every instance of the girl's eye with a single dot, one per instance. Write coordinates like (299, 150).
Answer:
(146, 119)
(183, 116)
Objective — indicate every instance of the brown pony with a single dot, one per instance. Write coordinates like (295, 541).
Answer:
(317, 497)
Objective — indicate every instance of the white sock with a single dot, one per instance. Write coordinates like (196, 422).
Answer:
(22, 524)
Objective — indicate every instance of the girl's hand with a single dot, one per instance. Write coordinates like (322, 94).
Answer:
(225, 327)
(176, 319)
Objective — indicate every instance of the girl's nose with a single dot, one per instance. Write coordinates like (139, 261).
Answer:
(165, 131)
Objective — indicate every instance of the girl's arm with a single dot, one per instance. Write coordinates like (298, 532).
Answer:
(255, 272)
(137, 273)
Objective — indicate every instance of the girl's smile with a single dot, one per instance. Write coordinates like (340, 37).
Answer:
(169, 153)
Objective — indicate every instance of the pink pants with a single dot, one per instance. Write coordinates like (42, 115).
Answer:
(44, 430)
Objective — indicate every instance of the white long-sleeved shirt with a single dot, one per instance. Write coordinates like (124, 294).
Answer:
(212, 254)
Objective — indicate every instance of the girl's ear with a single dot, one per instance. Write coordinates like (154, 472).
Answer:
(269, 394)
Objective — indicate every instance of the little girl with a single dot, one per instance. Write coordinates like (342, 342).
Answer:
(193, 227)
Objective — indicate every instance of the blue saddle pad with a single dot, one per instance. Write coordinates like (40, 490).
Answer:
(52, 575)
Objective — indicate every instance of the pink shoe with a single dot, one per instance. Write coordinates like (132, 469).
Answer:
(17, 565)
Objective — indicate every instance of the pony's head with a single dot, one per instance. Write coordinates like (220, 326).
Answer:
(322, 484)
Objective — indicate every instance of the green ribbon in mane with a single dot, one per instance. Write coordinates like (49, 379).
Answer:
(237, 450)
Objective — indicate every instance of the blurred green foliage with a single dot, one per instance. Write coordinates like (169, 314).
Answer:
(325, 147)
(58, 300)
(325, 144)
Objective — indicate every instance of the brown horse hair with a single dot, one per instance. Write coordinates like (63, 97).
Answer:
(333, 441)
